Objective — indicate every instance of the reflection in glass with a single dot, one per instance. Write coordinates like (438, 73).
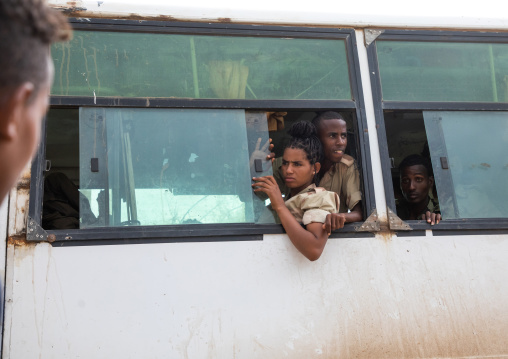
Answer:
(166, 166)
(443, 71)
(99, 63)
(474, 145)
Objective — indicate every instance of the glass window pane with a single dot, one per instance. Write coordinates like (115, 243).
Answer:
(167, 166)
(474, 144)
(97, 63)
(443, 71)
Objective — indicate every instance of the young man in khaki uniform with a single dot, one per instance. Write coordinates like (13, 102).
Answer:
(338, 173)
(27, 28)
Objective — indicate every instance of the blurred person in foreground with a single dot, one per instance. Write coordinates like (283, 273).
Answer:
(27, 29)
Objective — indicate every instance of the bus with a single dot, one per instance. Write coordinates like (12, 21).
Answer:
(161, 114)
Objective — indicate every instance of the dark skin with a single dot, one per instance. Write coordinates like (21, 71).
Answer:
(333, 136)
(415, 184)
(298, 173)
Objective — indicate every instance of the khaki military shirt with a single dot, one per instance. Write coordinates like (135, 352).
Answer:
(313, 204)
(342, 178)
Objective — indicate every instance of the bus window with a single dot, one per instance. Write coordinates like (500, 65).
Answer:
(443, 99)
(407, 137)
(463, 148)
(130, 64)
(443, 71)
(167, 124)
(163, 166)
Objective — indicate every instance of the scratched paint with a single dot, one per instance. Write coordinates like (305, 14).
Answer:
(371, 13)
(430, 297)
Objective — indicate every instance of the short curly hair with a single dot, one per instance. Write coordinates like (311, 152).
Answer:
(415, 160)
(304, 137)
(328, 115)
(27, 29)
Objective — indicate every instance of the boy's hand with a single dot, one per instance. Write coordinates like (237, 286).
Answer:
(334, 221)
(432, 218)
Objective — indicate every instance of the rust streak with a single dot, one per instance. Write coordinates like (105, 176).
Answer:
(133, 16)
(386, 234)
(72, 8)
(19, 240)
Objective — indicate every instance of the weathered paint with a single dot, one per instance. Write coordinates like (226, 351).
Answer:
(375, 155)
(18, 204)
(424, 297)
(449, 14)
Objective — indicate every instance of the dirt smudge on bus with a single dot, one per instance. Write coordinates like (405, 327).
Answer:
(71, 8)
(23, 183)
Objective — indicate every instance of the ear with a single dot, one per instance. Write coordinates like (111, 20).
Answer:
(317, 167)
(12, 110)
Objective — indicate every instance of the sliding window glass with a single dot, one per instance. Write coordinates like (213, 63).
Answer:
(165, 166)
(470, 166)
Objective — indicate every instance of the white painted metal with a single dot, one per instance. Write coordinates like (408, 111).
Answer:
(365, 298)
(375, 156)
(489, 14)
(3, 249)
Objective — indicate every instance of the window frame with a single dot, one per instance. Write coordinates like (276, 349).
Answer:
(205, 232)
(447, 226)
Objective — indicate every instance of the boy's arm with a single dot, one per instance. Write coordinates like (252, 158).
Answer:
(311, 241)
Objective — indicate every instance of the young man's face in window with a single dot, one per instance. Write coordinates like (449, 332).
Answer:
(415, 183)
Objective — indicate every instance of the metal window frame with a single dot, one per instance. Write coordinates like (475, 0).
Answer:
(206, 232)
(451, 226)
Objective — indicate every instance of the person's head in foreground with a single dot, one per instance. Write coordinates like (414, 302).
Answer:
(27, 29)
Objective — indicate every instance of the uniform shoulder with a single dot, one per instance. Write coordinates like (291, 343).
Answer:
(347, 160)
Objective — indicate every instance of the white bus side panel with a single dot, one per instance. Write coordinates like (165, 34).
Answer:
(415, 297)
